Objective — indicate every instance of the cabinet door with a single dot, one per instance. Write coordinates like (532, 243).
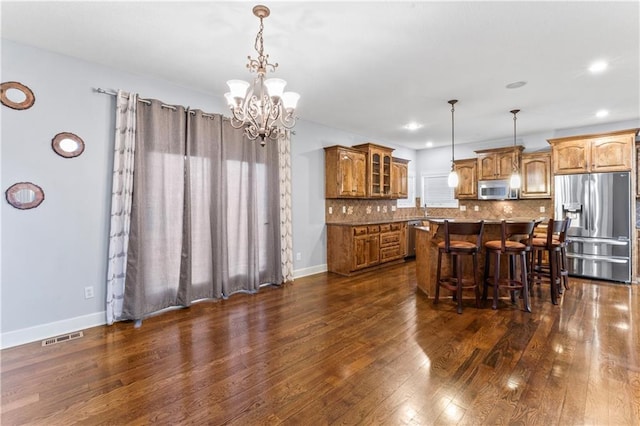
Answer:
(505, 163)
(571, 157)
(487, 167)
(386, 175)
(536, 176)
(375, 175)
(467, 179)
(351, 175)
(399, 183)
(360, 251)
(373, 249)
(612, 154)
(345, 173)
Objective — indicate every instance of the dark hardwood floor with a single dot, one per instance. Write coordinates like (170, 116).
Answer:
(334, 350)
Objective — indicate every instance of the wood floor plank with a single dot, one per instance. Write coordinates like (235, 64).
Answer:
(327, 349)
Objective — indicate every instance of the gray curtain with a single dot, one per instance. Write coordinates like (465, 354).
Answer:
(205, 213)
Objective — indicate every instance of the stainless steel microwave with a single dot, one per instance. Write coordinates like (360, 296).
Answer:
(496, 190)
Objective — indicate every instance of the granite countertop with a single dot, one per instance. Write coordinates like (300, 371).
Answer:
(375, 222)
(441, 220)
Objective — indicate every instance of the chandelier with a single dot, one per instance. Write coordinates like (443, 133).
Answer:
(264, 109)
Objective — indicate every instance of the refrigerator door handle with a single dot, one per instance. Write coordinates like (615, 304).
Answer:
(619, 260)
(598, 241)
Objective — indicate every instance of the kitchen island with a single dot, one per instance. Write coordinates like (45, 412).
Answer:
(427, 239)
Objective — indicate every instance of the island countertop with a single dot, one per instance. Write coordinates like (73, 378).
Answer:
(428, 237)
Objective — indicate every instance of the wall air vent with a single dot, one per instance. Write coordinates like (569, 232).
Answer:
(64, 338)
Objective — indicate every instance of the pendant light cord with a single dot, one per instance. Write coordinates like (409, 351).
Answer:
(453, 108)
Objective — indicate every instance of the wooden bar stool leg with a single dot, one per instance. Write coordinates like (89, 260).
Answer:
(525, 284)
(512, 276)
(496, 278)
(475, 279)
(565, 267)
(454, 273)
(437, 298)
(459, 284)
(559, 271)
(485, 276)
(552, 277)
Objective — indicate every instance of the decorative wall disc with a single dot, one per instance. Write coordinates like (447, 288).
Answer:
(24, 195)
(67, 145)
(16, 95)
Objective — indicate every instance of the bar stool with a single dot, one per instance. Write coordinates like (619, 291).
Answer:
(456, 248)
(514, 250)
(554, 246)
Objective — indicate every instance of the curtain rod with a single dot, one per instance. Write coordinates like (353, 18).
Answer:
(172, 107)
(148, 102)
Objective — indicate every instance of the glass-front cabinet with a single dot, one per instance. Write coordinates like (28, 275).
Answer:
(379, 169)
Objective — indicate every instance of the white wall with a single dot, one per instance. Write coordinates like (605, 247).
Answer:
(309, 236)
(51, 253)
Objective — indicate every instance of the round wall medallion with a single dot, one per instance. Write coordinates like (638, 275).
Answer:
(24, 195)
(67, 145)
(16, 95)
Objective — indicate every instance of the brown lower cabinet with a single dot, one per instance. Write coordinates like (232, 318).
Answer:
(357, 248)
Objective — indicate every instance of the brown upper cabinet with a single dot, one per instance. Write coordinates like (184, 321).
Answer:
(364, 171)
(535, 170)
(378, 169)
(467, 179)
(399, 178)
(498, 163)
(602, 152)
(345, 172)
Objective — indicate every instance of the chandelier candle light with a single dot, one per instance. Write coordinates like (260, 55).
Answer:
(452, 180)
(515, 181)
(264, 109)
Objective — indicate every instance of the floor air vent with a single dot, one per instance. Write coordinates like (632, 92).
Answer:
(64, 338)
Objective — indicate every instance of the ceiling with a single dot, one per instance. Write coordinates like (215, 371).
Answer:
(371, 67)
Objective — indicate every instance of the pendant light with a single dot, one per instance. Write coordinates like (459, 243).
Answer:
(515, 180)
(452, 180)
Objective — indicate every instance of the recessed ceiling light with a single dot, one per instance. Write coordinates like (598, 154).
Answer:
(412, 126)
(428, 144)
(602, 113)
(598, 66)
(515, 84)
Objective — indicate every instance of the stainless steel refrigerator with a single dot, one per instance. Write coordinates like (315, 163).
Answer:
(599, 205)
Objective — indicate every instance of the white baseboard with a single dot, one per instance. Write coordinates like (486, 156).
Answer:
(299, 273)
(45, 331)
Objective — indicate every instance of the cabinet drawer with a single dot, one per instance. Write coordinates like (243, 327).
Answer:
(385, 228)
(389, 238)
(388, 253)
(373, 229)
(396, 226)
(359, 230)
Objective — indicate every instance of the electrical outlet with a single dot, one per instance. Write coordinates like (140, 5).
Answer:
(393, 208)
(378, 208)
(542, 209)
(476, 208)
(330, 210)
(298, 256)
(344, 209)
(88, 292)
(463, 208)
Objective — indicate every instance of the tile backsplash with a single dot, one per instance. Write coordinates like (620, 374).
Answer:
(347, 211)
